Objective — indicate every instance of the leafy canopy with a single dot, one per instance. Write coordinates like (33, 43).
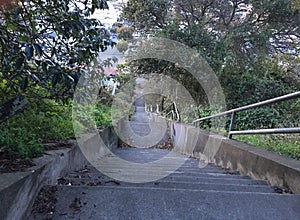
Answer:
(42, 42)
(223, 31)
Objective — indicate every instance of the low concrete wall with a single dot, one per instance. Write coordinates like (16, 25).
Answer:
(93, 145)
(18, 190)
(158, 131)
(237, 156)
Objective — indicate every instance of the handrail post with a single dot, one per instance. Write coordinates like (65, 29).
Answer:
(173, 111)
(176, 111)
(196, 124)
(232, 124)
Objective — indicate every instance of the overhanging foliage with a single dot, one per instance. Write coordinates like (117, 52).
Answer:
(43, 43)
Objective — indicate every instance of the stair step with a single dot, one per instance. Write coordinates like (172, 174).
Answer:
(180, 169)
(175, 174)
(203, 180)
(171, 184)
(212, 172)
(183, 168)
(162, 203)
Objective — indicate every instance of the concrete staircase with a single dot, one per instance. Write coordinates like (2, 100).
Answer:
(193, 191)
(188, 193)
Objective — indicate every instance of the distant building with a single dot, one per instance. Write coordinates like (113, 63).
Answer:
(110, 71)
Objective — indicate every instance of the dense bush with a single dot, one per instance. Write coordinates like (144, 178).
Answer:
(43, 120)
(46, 120)
(267, 80)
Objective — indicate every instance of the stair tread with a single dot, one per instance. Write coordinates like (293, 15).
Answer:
(162, 203)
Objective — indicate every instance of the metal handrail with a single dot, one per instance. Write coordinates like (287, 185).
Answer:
(163, 111)
(171, 109)
(255, 105)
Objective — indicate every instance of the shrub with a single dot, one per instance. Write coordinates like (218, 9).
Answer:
(43, 120)
(122, 46)
(280, 144)
(47, 120)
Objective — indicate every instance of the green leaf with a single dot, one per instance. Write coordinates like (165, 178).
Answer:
(53, 51)
(34, 77)
(55, 79)
(103, 4)
(38, 62)
(79, 25)
(75, 76)
(50, 20)
(19, 62)
(67, 79)
(38, 49)
(17, 13)
(24, 83)
(44, 67)
(11, 27)
(23, 38)
(6, 61)
(29, 52)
